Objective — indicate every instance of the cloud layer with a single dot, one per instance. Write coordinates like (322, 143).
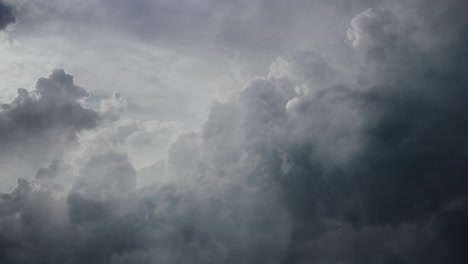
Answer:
(304, 165)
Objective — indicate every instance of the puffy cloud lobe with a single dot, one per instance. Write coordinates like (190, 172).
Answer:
(105, 175)
(113, 108)
(40, 125)
(55, 169)
(145, 142)
(304, 68)
(53, 105)
(56, 177)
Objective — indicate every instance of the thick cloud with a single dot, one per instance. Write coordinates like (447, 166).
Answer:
(54, 106)
(6, 15)
(306, 165)
(38, 126)
(200, 50)
(104, 219)
(382, 154)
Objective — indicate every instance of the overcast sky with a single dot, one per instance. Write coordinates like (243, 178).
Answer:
(233, 131)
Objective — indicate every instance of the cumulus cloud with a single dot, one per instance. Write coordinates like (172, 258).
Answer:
(303, 165)
(384, 151)
(39, 125)
(54, 104)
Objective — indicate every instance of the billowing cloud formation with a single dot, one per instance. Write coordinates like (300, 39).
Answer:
(360, 160)
(302, 166)
(53, 106)
(38, 126)
(6, 15)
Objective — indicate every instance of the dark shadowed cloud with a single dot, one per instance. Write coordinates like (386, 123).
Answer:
(305, 165)
(358, 160)
(53, 105)
(40, 125)
(6, 15)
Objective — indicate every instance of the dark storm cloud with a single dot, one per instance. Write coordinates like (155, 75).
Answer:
(298, 167)
(386, 153)
(6, 15)
(39, 125)
(102, 224)
(53, 106)
(415, 137)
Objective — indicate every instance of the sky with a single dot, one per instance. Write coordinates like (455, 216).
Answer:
(233, 131)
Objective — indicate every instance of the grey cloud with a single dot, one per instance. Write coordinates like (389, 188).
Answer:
(257, 31)
(184, 152)
(296, 167)
(38, 126)
(175, 223)
(416, 116)
(114, 107)
(228, 42)
(6, 15)
(53, 105)
(150, 20)
(57, 177)
(55, 169)
(384, 151)
(106, 174)
(246, 28)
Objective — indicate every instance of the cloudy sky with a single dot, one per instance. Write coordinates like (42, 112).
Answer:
(233, 131)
